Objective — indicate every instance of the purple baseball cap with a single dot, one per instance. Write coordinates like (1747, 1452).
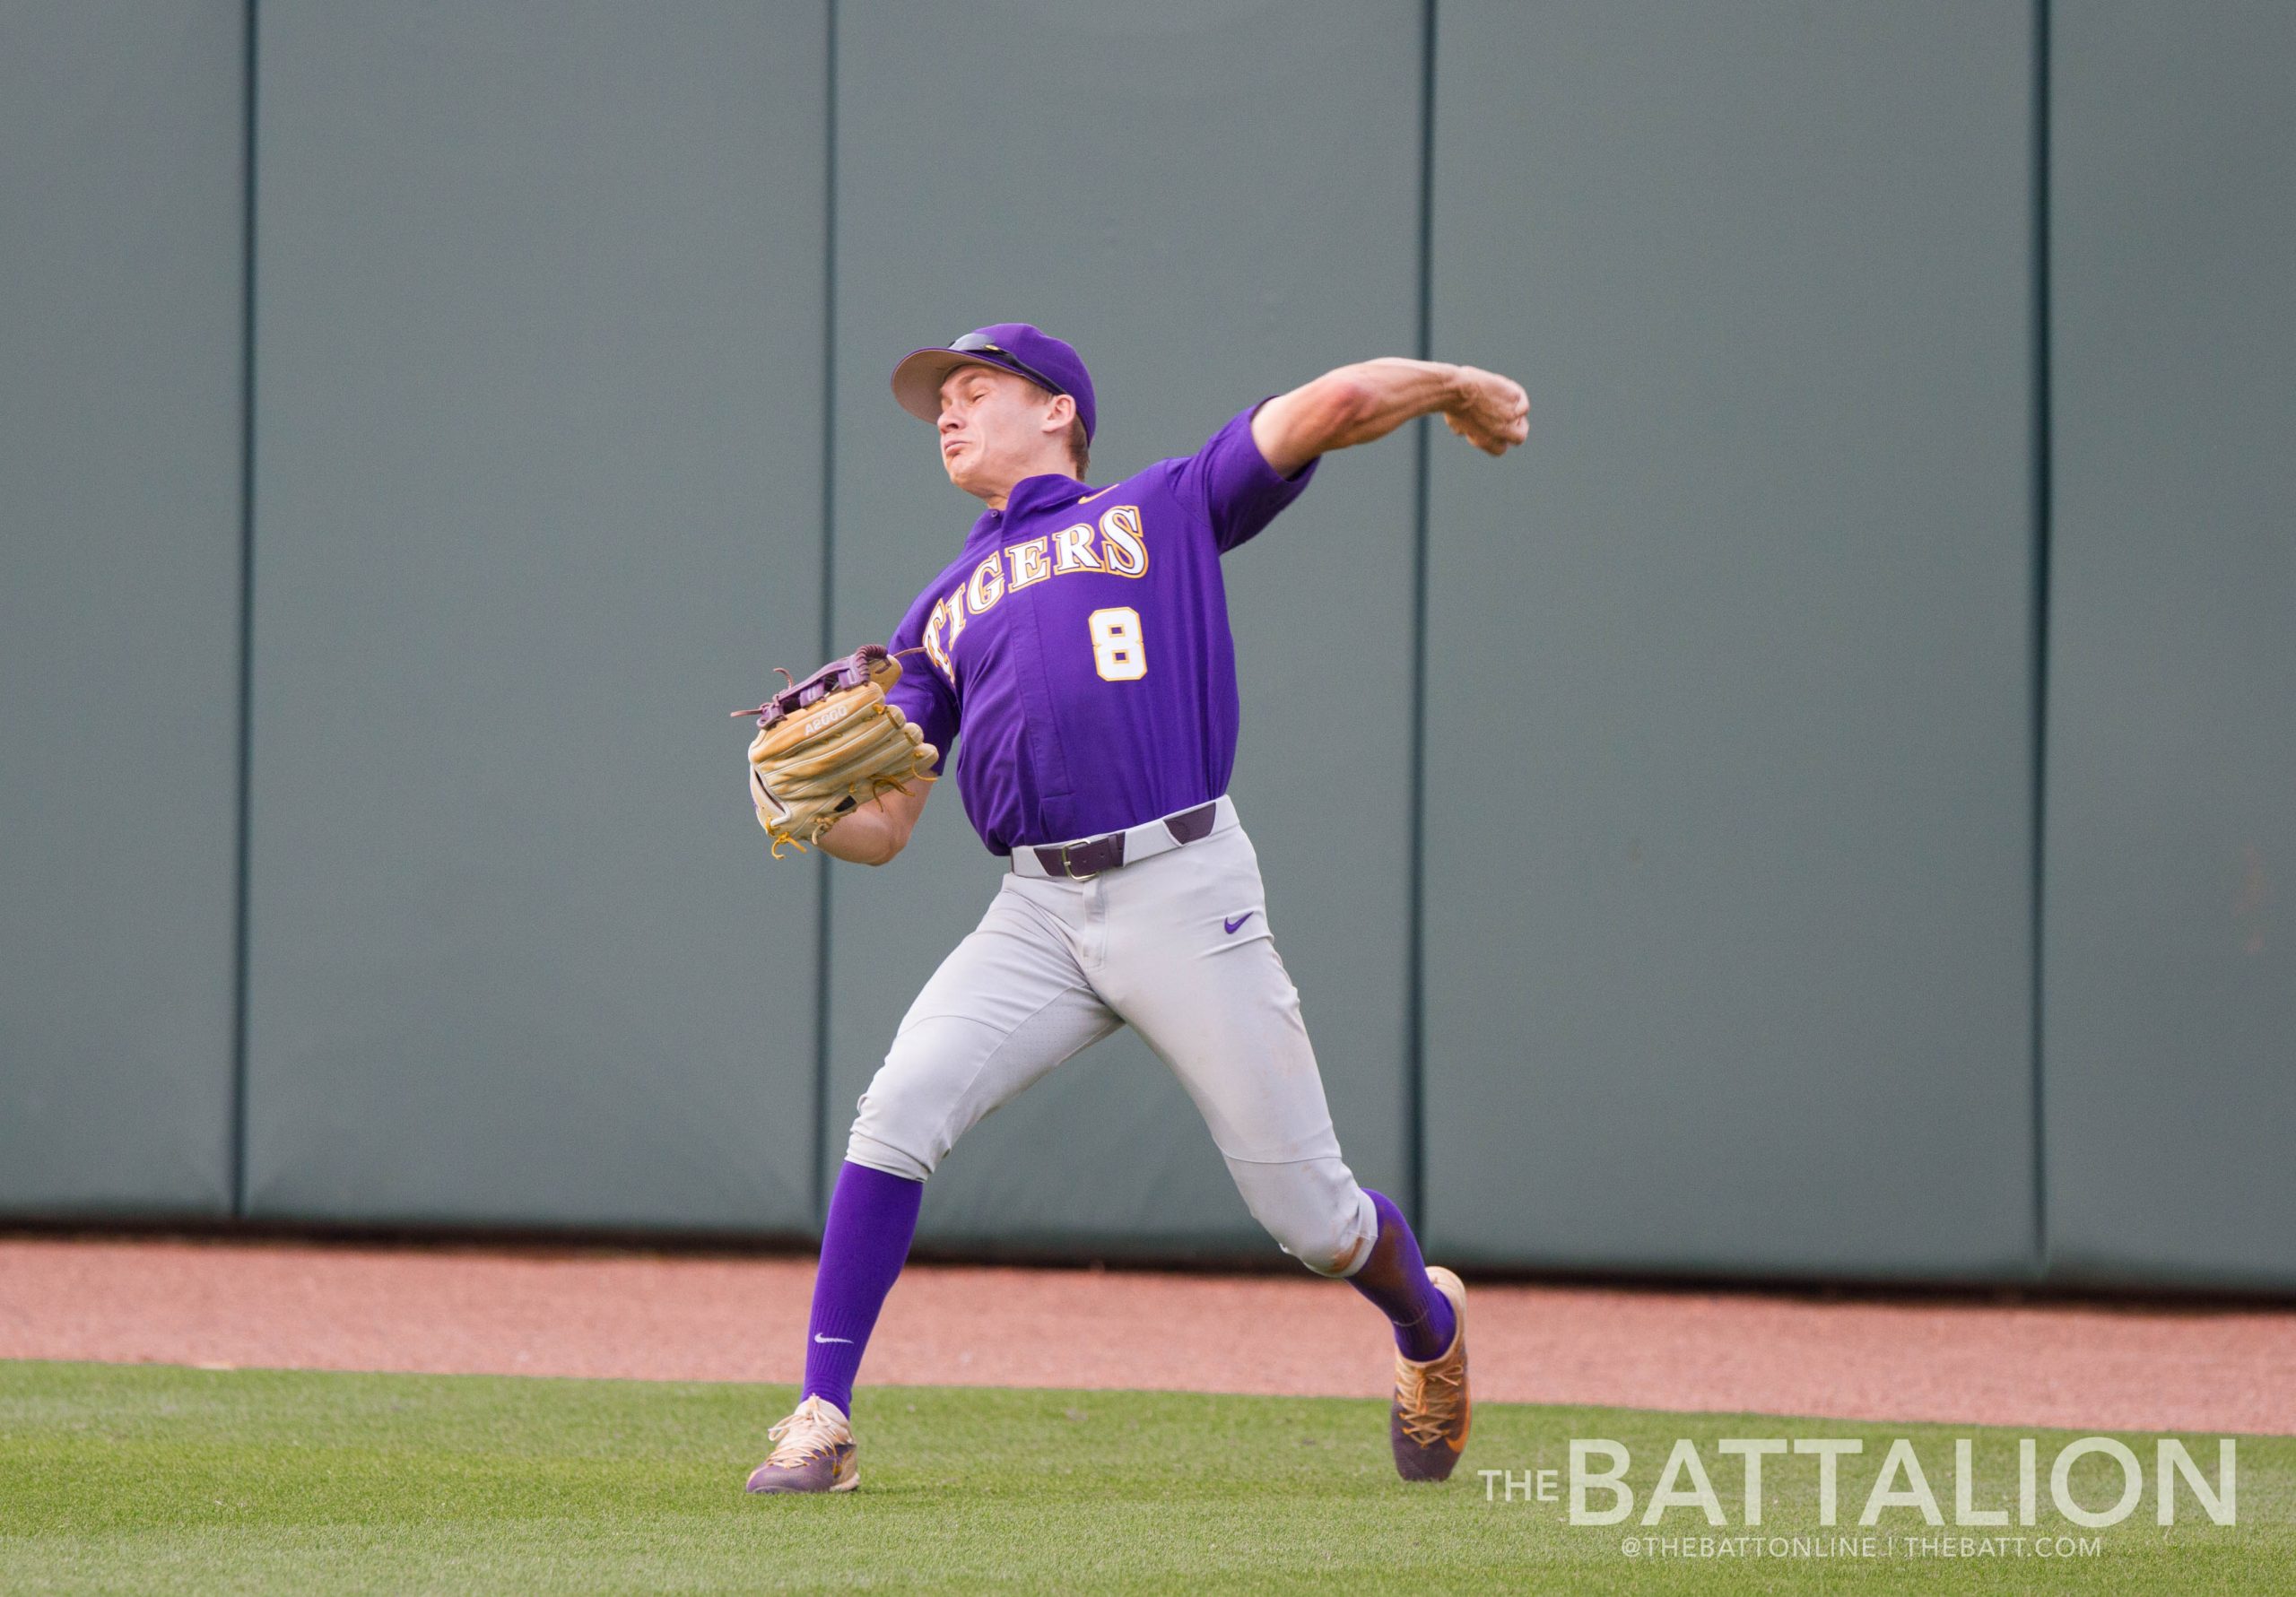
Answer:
(1009, 346)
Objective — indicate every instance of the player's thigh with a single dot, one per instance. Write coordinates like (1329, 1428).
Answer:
(1006, 1006)
(1209, 993)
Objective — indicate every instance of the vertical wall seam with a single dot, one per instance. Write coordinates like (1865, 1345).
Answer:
(243, 858)
(2044, 519)
(1414, 941)
(822, 873)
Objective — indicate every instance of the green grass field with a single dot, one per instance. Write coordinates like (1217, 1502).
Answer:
(159, 1478)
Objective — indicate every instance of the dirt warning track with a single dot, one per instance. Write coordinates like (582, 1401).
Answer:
(670, 1317)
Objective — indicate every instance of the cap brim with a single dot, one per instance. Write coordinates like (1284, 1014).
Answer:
(918, 379)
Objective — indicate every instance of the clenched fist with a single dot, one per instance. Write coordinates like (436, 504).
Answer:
(1491, 411)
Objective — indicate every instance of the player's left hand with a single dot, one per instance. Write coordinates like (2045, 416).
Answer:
(829, 744)
(1491, 411)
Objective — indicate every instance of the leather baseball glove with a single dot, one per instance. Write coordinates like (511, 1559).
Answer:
(829, 744)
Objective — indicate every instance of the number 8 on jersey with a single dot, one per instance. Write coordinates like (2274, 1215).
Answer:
(1116, 653)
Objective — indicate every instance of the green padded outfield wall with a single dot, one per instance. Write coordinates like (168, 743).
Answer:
(1726, 897)
(2169, 929)
(122, 171)
(1165, 195)
(537, 496)
(1727, 885)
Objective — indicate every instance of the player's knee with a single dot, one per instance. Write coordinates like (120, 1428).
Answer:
(861, 1149)
(917, 1107)
(1318, 1222)
(891, 1135)
(1328, 1249)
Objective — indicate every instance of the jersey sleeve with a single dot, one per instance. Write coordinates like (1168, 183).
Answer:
(922, 694)
(1232, 483)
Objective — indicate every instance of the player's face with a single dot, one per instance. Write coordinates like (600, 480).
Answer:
(994, 430)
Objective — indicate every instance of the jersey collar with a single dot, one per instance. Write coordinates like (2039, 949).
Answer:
(1047, 492)
(1029, 496)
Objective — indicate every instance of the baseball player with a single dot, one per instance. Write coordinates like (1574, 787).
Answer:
(1079, 642)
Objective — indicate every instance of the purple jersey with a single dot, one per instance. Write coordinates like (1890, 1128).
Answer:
(1080, 643)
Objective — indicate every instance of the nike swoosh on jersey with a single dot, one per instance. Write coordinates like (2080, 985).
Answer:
(1088, 497)
(1233, 925)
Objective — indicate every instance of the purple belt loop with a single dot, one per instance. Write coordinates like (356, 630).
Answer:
(1192, 825)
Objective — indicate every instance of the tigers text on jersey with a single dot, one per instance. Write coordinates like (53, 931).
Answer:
(1080, 645)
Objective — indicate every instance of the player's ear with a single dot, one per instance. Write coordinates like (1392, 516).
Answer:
(1060, 414)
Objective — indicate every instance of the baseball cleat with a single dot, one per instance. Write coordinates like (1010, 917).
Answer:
(1428, 1425)
(813, 1453)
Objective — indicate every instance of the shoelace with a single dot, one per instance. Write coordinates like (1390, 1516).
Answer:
(806, 1434)
(1429, 1398)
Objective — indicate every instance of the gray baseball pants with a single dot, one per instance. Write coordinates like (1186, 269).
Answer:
(1057, 964)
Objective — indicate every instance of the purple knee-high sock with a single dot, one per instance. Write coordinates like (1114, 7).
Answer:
(871, 1218)
(1395, 1277)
